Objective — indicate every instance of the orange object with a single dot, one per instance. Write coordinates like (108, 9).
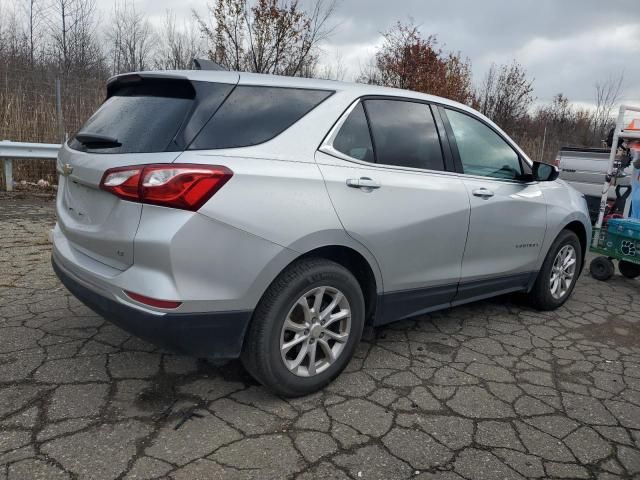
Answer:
(634, 125)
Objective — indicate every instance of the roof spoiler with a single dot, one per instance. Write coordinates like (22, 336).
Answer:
(205, 64)
(153, 83)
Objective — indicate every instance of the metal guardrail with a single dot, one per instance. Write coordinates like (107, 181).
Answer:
(10, 150)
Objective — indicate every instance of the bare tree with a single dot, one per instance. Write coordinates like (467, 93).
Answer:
(369, 72)
(12, 39)
(553, 126)
(506, 95)
(69, 14)
(335, 70)
(607, 94)
(33, 11)
(177, 45)
(130, 36)
(20, 27)
(73, 35)
(272, 36)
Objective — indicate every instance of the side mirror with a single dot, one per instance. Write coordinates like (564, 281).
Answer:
(544, 172)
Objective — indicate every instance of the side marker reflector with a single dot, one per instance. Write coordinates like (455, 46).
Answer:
(153, 302)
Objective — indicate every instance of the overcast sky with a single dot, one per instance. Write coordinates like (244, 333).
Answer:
(565, 45)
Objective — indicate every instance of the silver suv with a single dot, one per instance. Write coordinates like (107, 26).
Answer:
(229, 215)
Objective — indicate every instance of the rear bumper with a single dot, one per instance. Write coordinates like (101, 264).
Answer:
(217, 335)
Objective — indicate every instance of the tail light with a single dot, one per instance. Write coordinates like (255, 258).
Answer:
(556, 162)
(183, 186)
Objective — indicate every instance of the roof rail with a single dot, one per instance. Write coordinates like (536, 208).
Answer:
(206, 64)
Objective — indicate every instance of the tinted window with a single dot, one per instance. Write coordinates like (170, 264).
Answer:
(404, 134)
(253, 115)
(482, 151)
(354, 139)
(209, 97)
(143, 117)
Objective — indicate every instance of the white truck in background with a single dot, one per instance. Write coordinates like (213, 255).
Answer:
(585, 169)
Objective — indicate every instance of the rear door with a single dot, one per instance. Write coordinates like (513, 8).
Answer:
(395, 195)
(143, 121)
(508, 211)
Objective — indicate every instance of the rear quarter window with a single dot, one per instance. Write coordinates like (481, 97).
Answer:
(253, 114)
(354, 139)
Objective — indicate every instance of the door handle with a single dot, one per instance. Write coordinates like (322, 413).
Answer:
(363, 182)
(483, 193)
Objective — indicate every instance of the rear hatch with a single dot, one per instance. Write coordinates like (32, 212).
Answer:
(146, 119)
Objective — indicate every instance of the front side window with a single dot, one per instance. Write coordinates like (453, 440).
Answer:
(354, 139)
(255, 114)
(482, 151)
(404, 134)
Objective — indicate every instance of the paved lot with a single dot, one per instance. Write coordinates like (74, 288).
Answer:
(491, 390)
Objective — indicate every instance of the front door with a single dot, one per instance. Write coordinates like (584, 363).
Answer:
(508, 211)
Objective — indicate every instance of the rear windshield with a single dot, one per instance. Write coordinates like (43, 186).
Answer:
(157, 115)
(141, 118)
(253, 114)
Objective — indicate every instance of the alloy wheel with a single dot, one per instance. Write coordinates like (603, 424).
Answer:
(315, 331)
(563, 272)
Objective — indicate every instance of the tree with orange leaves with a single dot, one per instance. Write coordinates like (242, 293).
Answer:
(410, 61)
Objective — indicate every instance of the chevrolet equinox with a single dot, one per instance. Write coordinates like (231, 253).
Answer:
(227, 215)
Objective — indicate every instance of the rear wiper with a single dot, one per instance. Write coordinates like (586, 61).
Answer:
(96, 140)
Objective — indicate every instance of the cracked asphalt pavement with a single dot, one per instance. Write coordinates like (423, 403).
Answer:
(488, 390)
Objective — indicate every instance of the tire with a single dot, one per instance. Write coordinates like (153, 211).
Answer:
(602, 268)
(628, 269)
(301, 283)
(542, 296)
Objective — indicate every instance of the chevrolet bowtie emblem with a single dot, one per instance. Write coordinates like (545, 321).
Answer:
(67, 169)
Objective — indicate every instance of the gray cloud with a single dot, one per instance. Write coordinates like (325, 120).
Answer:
(565, 45)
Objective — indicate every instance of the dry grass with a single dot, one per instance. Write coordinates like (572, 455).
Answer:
(28, 113)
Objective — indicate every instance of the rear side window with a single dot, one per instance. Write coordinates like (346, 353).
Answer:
(404, 134)
(254, 114)
(354, 138)
(138, 118)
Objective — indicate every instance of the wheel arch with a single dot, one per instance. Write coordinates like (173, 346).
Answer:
(358, 261)
(579, 229)
(358, 265)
